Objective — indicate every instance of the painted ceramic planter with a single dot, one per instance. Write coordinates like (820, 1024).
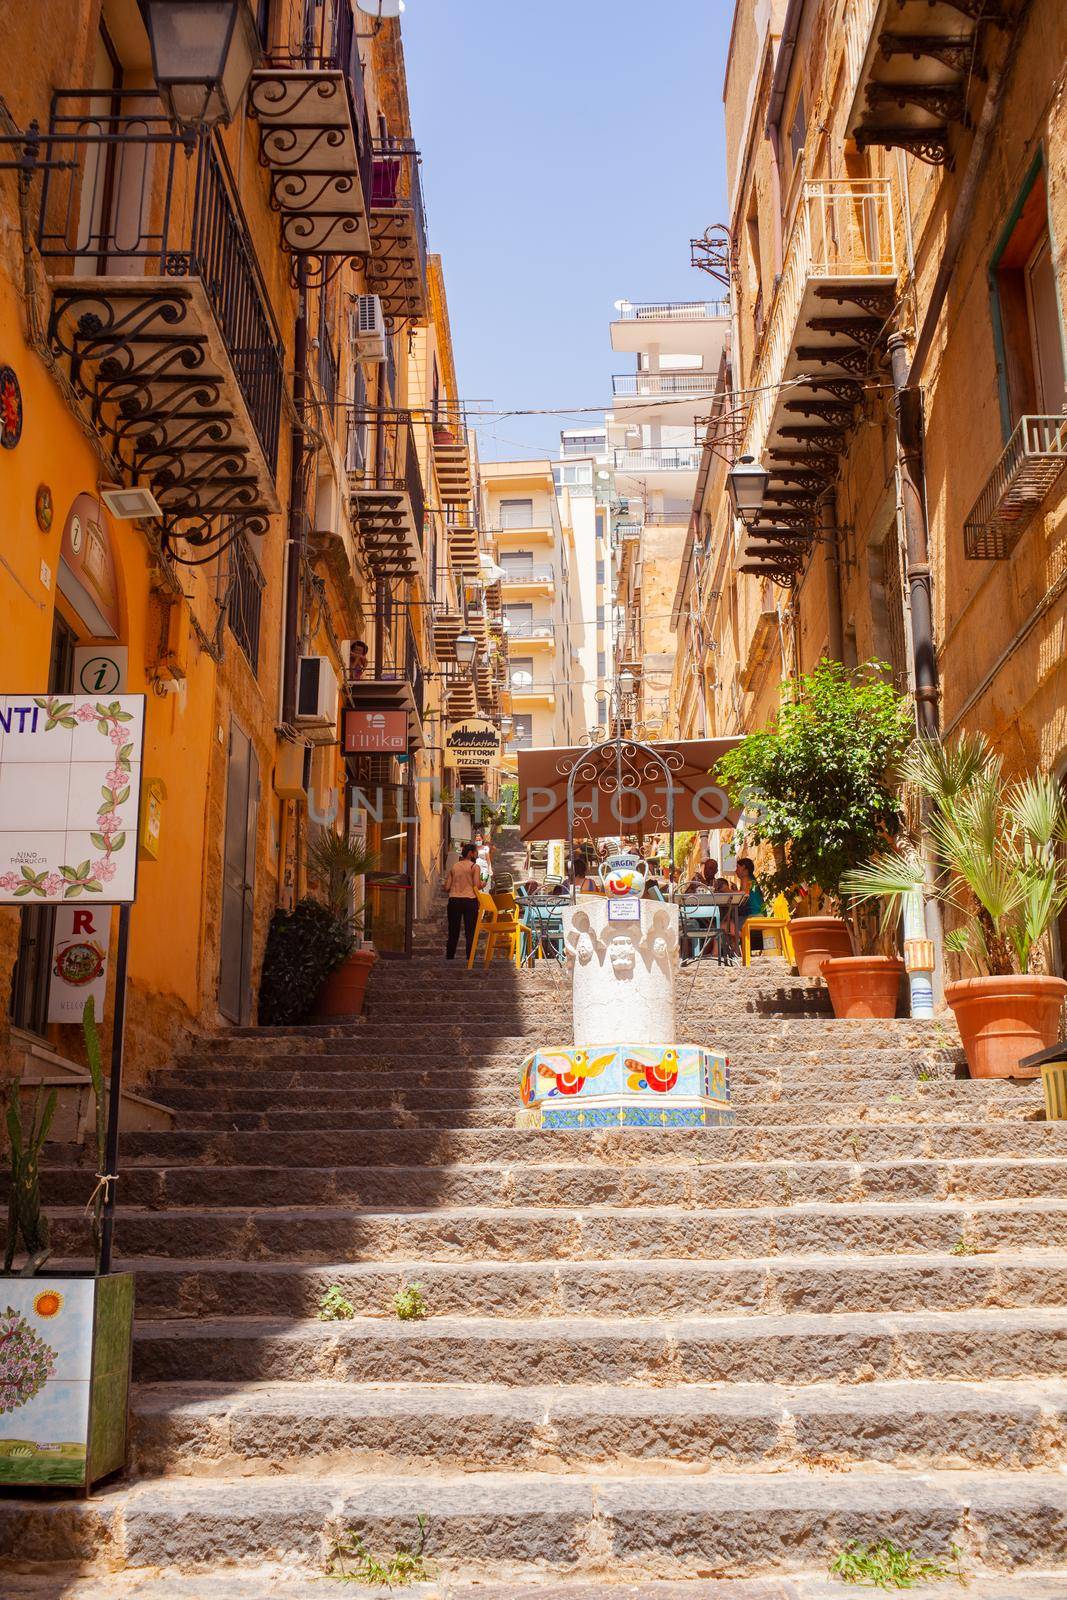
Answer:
(343, 993)
(1003, 1019)
(818, 939)
(65, 1345)
(625, 1086)
(863, 986)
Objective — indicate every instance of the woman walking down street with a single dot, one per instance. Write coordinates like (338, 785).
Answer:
(462, 882)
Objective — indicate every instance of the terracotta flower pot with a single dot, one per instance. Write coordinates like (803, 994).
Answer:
(863, 986)
(1003, 1019)
(343, 992)
(818, 939)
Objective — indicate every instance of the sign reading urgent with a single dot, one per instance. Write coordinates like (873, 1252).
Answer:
(370, 732)
(473, 742)
(70, 792)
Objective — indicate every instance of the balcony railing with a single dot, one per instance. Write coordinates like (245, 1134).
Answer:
(1030, 464)
(680, 384)
(674, 310)
(388, 496)
(658, 459)
(399, 248)
(859, 19)
(159, 304)
(842, 229)
(245, 600)
(628, 530)
(531, 574)
(531, 630)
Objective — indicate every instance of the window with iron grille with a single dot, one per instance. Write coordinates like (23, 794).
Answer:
(245, 600)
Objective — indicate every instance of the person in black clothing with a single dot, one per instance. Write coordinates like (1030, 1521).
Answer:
(462, 884)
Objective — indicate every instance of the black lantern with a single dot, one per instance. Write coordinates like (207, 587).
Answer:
(466, 648)
(203, 52)
(746, 483)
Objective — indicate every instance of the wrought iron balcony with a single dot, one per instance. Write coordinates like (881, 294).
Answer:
(827, 321)
(315, 137)
(452, 461)
(388, 502)
(159, 312)
(1030, 464)
(396, 270)
(463, 547)
(908, 67)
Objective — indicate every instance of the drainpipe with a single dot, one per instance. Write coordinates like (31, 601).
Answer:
(908, 413)
(835, 630)
(297, 506)
(379, 479)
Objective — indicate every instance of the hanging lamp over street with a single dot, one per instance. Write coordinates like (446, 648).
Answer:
(746, 483)
(203, 53)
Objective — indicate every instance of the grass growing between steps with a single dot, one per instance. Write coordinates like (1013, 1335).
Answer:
(409, 1303)
(885, 1566)
(352, 1562)
(334, 1307)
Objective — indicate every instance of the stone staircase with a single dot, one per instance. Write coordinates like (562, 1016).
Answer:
(676, 1365)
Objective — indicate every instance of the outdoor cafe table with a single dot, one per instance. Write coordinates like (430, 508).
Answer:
(542, 916)
(711, 908)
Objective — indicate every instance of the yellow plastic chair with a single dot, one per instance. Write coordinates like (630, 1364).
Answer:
(497, 923)
(776, 924)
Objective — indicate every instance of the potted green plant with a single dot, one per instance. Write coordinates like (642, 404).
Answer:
(312, 966)
(818, 788)
(1002, 851)
(65, 1337)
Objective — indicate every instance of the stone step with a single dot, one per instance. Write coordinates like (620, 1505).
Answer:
(207, 1429)
(730, 1525)
(318, 1232)
(885, 1141)
(774, 1285)
(543, 1184)
(796, 1348)
(455, 1113)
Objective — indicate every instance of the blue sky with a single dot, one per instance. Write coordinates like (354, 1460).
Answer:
(570, 150)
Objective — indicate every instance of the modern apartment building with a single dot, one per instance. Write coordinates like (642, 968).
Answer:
(534, 550)
(234, 476)
(584, 480)
(651, 433)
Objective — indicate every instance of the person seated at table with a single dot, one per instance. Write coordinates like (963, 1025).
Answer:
(753, 905)
(705, 878)
(580, 881)
(723, 886)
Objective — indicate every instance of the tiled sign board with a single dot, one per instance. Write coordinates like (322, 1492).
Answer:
(70, 782)
(64, 1378)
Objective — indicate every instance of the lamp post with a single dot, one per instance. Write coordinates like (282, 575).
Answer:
(203, 53)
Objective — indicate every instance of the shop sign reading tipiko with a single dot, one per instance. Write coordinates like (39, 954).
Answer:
(376, 732)
(475, 742)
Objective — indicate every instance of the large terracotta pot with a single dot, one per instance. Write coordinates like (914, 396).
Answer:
(818, 939)
(343, 992)
(1003, 1019)
(863, 986)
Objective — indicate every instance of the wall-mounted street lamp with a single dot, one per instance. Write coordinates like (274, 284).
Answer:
(466, 648)
(626, 682)
(203, 53)
(746, 484)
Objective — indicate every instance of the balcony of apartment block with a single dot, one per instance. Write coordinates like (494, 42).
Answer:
(909, 65)
(527, 690)
(658, 467)
(1029, 467)
(669, 398)
(451, 458)
(506, 536)
(526, 578)
(396, 267)
(398, 683)
(530, 635)
(824, 335)
(464, 542)
(309, 99)
(386, 493)
(159, 315)
(673, 327)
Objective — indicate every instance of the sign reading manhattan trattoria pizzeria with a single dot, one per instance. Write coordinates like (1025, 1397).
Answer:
(70, 790)
(472, 741)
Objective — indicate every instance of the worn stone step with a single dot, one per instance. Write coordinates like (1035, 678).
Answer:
(773, 1285)
(752, 1183)
(796, 1348)
(888, 1141)
(723, 1524)
(198, 1428)
(317, 1233)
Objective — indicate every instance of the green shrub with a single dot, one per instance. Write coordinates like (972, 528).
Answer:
(303, 947)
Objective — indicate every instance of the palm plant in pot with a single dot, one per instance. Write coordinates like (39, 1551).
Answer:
(313, 965)
(1002, 879)
(819, 788)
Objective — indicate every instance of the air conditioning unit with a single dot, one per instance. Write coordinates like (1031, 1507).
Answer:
(317, 698)
(366, 328)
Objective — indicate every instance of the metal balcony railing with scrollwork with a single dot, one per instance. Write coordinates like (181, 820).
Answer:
(396, 270)
(160, 309)
(388, 497)
(1029, 465)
